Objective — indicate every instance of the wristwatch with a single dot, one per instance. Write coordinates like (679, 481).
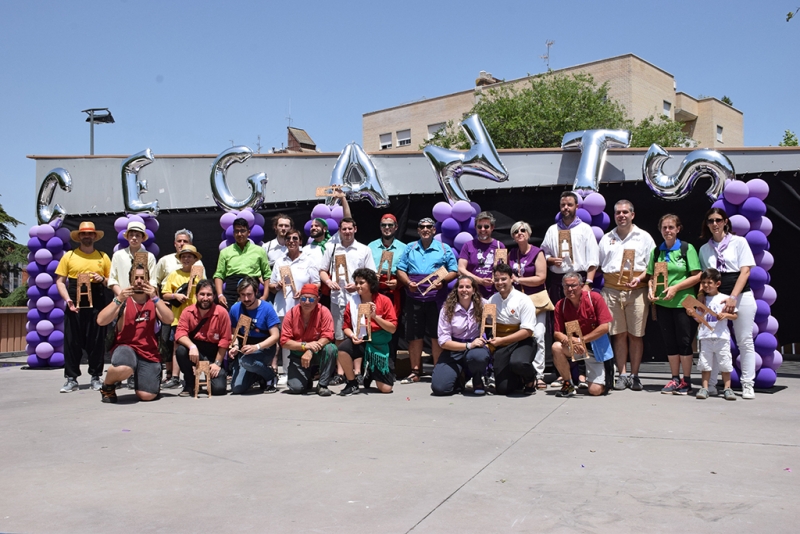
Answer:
(303, 346)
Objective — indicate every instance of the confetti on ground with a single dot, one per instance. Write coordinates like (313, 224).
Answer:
(125, 430)
(788, 469)
(583, 465)
(408, 398)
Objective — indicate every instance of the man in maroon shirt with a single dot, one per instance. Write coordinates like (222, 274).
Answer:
(308, 334)
(203, 333)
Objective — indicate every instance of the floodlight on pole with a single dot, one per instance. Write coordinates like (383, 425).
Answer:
(96, 116)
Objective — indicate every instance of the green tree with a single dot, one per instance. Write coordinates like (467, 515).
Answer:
(726, 100)
(541, 111)
(11, 255)
(789, 139)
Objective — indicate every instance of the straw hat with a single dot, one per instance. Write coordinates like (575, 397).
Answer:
(86, 226)
(191, 250)
(136, 226)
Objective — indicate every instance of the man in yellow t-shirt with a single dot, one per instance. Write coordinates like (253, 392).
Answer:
(81, 331)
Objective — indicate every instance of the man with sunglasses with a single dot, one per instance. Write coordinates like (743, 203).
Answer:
(390, 288)
(419, 260)
(476, 259)
(243, 258)
(308, 334)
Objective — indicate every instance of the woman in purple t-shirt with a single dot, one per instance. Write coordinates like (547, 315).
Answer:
(476, 259)
(530, 271)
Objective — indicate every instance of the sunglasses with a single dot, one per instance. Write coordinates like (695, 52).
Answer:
(308, 299)
(483, 226)
(521, 231)
(714, 221)
(387, 225)
(425, 226)
(293, 238)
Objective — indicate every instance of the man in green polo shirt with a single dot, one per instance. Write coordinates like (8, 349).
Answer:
(243, 258)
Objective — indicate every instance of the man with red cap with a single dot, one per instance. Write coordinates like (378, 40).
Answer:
(388, 243)
(308, 335)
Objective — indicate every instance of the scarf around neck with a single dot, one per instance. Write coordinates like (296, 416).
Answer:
(676, 246)
(719, 249)
(573, 224)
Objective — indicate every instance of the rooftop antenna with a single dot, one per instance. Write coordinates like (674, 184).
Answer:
(289, 116)
(546, 57)
(258, 146)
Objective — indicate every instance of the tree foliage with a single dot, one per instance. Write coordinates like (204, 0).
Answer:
(540, 112)
(726, 100)
(789, 139)
(11, 254)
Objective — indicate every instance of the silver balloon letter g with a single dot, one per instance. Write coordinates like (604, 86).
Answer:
(481, 160)
(697, 164)
(219, 187)
(593, 145)
(44, 213)
(133, 187)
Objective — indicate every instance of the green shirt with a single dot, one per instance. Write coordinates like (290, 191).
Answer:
(678, 270)
(249, 261)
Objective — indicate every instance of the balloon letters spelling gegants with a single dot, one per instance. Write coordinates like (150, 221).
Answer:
(44, 213)
(219, 186)
(133, 187)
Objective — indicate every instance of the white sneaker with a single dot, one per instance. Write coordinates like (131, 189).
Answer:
(747, 391)
(282, 379)
(69, 386)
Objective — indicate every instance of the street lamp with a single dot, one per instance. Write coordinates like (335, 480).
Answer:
(96, 116)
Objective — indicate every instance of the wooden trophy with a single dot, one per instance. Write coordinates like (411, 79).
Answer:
(660, 279)
(501, 256)
(698, 310)
(328, 191)
(202, 367)
(575, 338)
(195, 276)
(340, 269)
(288, 281)
(436, 276)
(244, 323)
(626, 267)
(565, 244)
(84, 291)
(489, 321)
(364, 313)
(140, 258)
(386, 259)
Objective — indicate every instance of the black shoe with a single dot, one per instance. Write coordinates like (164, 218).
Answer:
(322, 391)
(337, 380)
(109, 393)
(360, 379)
(567, 390)
(130, 383)
(350, 389)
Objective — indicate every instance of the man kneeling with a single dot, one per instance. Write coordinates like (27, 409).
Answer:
(307, 334)
(135, 350)
(203, 333)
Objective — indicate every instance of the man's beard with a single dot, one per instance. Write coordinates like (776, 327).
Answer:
(204, 305)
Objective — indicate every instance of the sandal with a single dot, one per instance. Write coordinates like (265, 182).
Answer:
(557, 383)
(541, 384)
(412, 378)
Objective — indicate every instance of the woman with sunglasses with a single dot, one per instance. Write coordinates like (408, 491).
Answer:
(476, 259)
(731, 256)
(530, 273)
(461, 341)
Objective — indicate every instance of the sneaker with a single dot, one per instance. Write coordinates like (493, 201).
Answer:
(583, 384)
(283, 379)
(267, 387)
(557, 383)
(109, 393)
(337, 380)
(96, 383)
(477, 386)
(567, 390)
(490, 381)
(622, 383)
(130, 383)
(412, 378)
(728, 394)
(322, 391)
(172, 383)
(360, 380)
(636, 384)
(69, 386)
(350, 389)
(684, 388)
(702, 394)
(670, 388)
(747, 391)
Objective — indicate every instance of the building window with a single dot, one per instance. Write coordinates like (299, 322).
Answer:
(386, 141)
(667, 108)
(404, 138)
(433, 129)
(719, 133)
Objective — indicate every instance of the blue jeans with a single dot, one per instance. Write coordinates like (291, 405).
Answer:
(250, 367)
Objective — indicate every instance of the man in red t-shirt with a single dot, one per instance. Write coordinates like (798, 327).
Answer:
(591, 311)
(308, 334)
(135, 350)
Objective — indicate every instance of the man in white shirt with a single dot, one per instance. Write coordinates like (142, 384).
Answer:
(170, 263)
(122, 260)
(275, 249)
(625, 291)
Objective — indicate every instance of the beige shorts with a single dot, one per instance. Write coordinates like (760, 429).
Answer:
(629, 310)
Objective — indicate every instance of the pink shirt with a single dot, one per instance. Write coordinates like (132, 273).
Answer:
(462, 326)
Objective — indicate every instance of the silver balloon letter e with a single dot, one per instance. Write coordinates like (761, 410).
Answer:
(133, 187)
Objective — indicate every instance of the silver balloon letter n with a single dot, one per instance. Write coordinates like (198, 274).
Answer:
(219, 186)
(44, 213)
(355, 172)
(480, 160)
(133, 187)
(593, 145)
(697, 164)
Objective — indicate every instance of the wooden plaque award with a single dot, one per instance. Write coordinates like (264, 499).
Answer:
(436, 276)
(83, 291)
(386, 259)
(195, 276)
(244, 323)
(660, 279)
(489, 321)
(626, 267)
(565, 244)
(202, 367)
(698, 310)
(501, 256)
(140, 258)
(340, 268)
(575, 338)
(328, 191)
(364, 313)
(288, 281)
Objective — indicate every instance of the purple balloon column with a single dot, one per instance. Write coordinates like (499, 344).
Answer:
(744, 204)
(591, 211)
(254, 220)
(455, 224)
(45, 326)
(151, 227)
(333, 215)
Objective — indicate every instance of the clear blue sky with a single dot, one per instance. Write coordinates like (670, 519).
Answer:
(189, 77)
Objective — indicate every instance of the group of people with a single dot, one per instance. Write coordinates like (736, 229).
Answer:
(332, 311)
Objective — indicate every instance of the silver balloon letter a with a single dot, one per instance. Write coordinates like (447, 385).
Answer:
(593, 145)
(697, 164)
(480, 160)
(44, 213)
(358, 177)
(133, 187)
(219, 186)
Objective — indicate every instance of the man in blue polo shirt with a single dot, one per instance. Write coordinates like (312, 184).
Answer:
(420, 259)
(390, 288)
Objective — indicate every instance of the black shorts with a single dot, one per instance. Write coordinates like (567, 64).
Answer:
(357, 351)
(146, 374)
(677, 330)
(422, 319)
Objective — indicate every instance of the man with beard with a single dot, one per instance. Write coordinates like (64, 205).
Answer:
(276, 248)
(390, 288)
(81, 330)
(476, 259)
(203, 333)
(242, 259)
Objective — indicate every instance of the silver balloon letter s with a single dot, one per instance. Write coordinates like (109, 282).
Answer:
(133, 187)
(44, 213)
(697, 164)
(593, 145)
(219, 186)
(358, 177)
(480, 160)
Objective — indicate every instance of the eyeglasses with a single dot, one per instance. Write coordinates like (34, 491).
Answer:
(520, 231)
(571, 286)
(483, 226)
(293, 238)
(714, 221)
(308, 299)
(425, 226)
(387, 225)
